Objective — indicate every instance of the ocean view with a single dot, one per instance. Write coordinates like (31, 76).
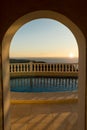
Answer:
(45, 59)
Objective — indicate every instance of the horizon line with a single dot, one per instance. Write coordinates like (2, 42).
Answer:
(45, 57)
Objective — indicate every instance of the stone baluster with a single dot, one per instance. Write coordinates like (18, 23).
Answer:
(17, 67)
(44, 67)
(24, 67)
(14, 67)
(50, 67)
(21, 67)
(37, 67)
(59, 68)
(65, 67)
(47, 67)
(31, 66)
(62, 69)
(72, 67)
(53, 67)
(34, 67)
(76, 67)
(56, 68)
(40, 67)
(69, 67)
(27, 67)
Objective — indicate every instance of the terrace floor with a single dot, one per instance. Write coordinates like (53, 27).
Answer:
(44, 111)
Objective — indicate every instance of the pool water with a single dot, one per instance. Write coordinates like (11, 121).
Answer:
(43, 84)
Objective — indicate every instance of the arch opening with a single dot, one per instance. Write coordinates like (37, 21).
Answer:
(5, 59)
(43, 42)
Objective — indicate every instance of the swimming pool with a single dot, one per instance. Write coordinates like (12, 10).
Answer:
(43, 84)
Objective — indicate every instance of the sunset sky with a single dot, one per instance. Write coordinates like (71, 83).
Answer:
(43, 38)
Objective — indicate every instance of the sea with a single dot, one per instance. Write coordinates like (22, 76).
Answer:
(56, 60)
(46, 59)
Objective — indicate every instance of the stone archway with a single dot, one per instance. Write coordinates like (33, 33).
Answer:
(5, 60)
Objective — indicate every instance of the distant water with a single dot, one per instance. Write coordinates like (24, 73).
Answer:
(57, 60)
(50, 60)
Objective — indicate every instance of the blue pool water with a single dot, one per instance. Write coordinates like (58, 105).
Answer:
(33, 84)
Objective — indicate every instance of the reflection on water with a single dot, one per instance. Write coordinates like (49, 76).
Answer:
(42, 84)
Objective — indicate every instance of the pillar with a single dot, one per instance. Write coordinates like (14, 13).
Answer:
(1, 99)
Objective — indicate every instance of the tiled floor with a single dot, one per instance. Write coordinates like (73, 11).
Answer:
(44, 116)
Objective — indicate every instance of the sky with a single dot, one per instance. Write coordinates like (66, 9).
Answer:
(43, 38)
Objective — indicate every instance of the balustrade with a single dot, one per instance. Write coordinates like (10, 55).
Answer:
(43, 67)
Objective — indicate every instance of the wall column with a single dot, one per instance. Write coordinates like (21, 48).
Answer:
(1, 97)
